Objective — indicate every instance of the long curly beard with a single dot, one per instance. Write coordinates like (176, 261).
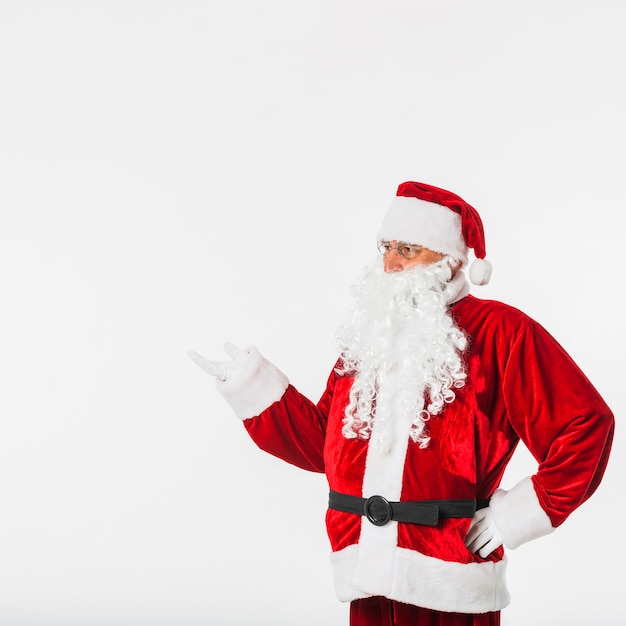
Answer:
(403, 349)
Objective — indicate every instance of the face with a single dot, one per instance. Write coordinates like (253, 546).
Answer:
(393, 261)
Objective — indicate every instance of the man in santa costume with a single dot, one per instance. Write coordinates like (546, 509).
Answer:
(432, 391)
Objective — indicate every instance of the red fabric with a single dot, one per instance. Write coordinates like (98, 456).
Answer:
(521, 385)
(471, 224)
(378, 611)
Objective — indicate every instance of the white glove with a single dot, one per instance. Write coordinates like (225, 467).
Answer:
(248, 382)
(483, 535)
(223, 370)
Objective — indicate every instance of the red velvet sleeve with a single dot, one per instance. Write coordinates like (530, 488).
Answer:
(560, 417)
(294, 428)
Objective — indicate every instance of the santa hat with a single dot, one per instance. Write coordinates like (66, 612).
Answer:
(439, 220)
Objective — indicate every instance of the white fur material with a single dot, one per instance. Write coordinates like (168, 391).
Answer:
(414, 578)
(384, 469)
(457, 288)
(518, 514)
(257, 386)
(480, 272)
(426, 224)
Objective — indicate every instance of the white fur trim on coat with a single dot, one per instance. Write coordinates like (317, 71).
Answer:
(426, 224)
(253, 387)
(518, 514)
(410, 577)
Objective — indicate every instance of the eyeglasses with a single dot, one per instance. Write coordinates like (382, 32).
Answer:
(405, 250)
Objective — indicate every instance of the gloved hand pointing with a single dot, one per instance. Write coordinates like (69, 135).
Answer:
(223, 370)
(248, 382)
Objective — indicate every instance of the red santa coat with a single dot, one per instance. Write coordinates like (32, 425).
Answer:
(521, 384)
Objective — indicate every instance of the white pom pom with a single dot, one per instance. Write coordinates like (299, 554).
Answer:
(480, 272)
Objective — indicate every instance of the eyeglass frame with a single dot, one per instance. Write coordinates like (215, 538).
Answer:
(385, 246)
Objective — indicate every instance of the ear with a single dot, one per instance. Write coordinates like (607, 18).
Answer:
(455, 265)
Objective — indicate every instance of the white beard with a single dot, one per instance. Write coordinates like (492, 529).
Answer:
(404, 350)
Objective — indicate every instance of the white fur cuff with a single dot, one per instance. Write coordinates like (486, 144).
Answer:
(253, 387)
(518, 514)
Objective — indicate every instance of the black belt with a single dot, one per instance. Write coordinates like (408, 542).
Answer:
(379, 511)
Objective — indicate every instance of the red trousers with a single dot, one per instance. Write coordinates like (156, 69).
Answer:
(379, 611)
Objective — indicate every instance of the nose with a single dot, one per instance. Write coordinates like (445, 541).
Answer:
(393, 262)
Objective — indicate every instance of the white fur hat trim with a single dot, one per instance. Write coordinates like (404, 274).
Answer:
(426, 224)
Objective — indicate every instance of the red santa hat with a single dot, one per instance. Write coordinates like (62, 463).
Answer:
(439, 220)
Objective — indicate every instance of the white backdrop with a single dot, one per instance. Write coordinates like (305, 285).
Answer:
(177, 174)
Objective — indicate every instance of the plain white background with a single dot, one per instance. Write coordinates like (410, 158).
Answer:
(177, 174)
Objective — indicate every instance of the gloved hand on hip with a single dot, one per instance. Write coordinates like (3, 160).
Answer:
(483, 535)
